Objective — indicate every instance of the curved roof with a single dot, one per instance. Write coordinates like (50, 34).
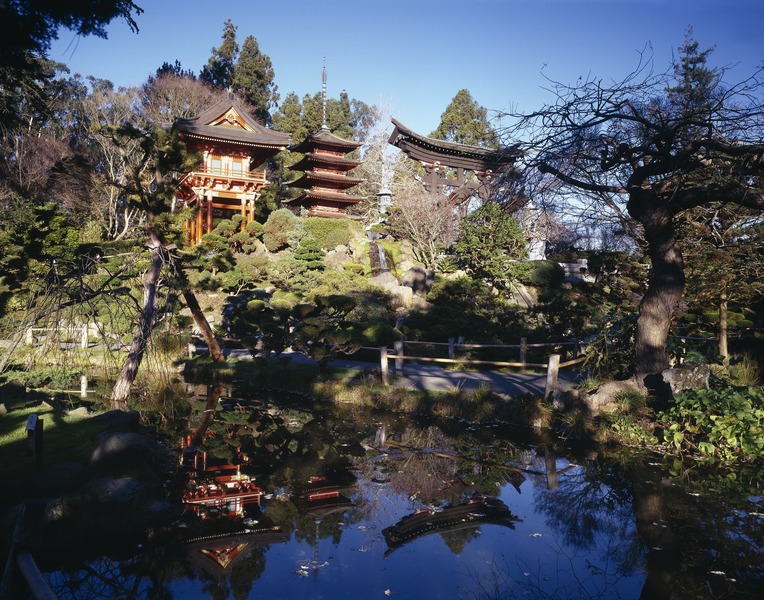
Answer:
(324, 138)
(451, 154)
(228, 121)
(327, 196)
(311, 178)
(312, 159)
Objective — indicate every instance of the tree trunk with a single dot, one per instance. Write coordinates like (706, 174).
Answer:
(124, 383)
(665, 287)
(201, 321)
(723, 347)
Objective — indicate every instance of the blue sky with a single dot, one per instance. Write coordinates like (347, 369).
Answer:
(412, 56)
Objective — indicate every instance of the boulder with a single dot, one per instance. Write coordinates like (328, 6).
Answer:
(116, 490)
(121, 449)
(385, 280)
(418, 279)
(690, 377)
(60, 478)
(402, 296)
(335, 259)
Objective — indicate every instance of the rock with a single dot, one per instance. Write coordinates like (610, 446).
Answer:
(60, 478)
(119, 420)
(121, 449)
(402, 296)
(117, 490)
(3, 410)
(418, 279)
(79, 412)
(690, 377)
(602, 400)
(335, 259)
(385, 280)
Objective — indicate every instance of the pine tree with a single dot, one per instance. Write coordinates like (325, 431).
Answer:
(465, 122)
(253, 79)
(219, 70)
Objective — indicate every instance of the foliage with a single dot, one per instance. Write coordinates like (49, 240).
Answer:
(28, 30)
(466, 307)
(465, 122)
(328, 233)
(611, 352)
(310, 254)
(254, 78)
(279, 228)
(426, 219)
(724, 423)
(539, 273)
(643, 151)
(320, 329)
(489, 243)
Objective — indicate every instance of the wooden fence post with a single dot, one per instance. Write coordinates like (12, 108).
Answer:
(451, 351)
(398, 345)
(84, 386)
(552, 370)
(575, 347)
(523, 350)
(34, 438)
(84, 343)
(383, 367)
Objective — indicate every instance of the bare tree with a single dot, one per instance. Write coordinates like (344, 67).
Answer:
(629, 151)
(428, 220)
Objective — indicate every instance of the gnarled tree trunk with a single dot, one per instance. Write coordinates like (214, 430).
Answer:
(124, 383)
(665, 287)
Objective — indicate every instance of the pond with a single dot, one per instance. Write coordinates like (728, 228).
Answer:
(290, 500)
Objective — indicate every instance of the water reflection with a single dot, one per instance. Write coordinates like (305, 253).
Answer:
(331, 502)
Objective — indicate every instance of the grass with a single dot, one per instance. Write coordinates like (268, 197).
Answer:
(66, 437)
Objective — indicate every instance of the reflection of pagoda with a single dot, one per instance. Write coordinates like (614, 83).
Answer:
(325, 172)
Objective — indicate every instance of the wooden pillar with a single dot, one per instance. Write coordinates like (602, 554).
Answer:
(198, 233)
(451, 352)
(209, 215)
(552, 371)
(383, 366)
(575, 347)
(523, 350)
(84, 386)
(398, 361)
(84, 343)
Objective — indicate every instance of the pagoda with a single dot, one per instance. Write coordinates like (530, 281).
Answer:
(234, 147)
(325, 168)
(325, 175)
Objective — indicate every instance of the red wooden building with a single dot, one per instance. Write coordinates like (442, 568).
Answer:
(229, 179)
(325, 176)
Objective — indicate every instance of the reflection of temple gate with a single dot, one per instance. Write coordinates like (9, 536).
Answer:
(447, 163)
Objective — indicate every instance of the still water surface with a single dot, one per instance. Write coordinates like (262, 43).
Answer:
(359, 505)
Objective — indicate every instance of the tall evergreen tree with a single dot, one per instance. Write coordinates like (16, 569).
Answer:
(219, 70)
(465, 122)
(253, 79)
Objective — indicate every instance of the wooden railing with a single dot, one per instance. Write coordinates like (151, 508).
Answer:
(552, 366)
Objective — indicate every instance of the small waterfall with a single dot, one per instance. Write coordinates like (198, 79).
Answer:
(382, 258)
(377, 259)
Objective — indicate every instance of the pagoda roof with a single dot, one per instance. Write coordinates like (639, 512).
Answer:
(326, 139)
(451, 154)
(311, 178)
(319, 195)
(311, 159)
(228, 121)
